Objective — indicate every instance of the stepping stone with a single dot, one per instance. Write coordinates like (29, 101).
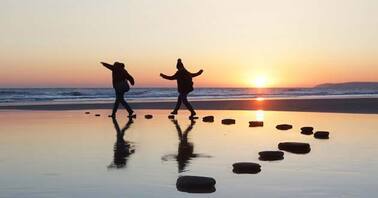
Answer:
(97, 115)
(284, 126)
(256, 123)
(87, 112)
(195, 184)
(193, 118)
(148, 116)
(321, 135)
(208, 119)
(307, 130)
(228, 121)
(310, 129)
(295, 147)
(271, 155)
(171, 117)
(246, 168)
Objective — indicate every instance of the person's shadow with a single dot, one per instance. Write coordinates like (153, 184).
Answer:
(185, 148)
(122, 148)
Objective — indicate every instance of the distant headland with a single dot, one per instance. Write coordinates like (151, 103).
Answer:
(349, 85)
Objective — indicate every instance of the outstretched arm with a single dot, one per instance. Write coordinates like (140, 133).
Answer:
(168, 77)
(196, 74)
(109, 66)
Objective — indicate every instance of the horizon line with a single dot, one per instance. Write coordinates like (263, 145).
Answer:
(197, 87)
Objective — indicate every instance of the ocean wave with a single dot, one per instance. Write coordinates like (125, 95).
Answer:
(93, 94)
(73, 93)
(13, 92)
(138, 93)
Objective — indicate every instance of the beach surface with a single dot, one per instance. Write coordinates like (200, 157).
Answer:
(73, 154)
(336, 105)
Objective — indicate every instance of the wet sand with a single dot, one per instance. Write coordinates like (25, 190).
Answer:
(73, 154)
(344, 105)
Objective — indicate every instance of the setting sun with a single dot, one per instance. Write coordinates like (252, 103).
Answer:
(259, 82)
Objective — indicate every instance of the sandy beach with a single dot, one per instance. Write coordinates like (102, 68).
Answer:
(194, 99)
(73, 154)
(341, 105)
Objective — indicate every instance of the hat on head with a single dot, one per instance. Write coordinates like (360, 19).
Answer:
(118, 64)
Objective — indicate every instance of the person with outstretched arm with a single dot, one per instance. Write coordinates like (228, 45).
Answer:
(184, 86)
(120, 84)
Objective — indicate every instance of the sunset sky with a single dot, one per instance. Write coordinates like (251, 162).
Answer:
(280, 43)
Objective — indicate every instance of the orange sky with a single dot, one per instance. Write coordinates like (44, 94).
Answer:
(291, 43)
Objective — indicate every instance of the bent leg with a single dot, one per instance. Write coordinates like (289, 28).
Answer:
(127, 106)
(124, 103)
(187, 104)
(178, 104)
(116, 104)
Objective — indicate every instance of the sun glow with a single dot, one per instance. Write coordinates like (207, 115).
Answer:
(260, 82)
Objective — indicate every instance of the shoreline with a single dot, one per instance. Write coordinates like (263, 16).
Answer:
(350, 105)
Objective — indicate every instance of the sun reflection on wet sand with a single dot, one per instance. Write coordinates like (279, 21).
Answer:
(259, 115)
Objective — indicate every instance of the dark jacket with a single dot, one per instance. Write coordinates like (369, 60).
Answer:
(184, 80)
(120, 77)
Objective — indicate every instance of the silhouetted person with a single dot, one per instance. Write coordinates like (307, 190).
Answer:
(185, 148)
(122, 148)
(120, 84)
(184, 86)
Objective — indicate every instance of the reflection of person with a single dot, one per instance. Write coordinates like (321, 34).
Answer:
(185, 148)
(122, 148)
(120, 85)
(184, 85)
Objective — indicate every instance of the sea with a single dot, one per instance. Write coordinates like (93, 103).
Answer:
(94, 95)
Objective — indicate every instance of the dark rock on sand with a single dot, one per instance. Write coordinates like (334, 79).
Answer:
(246, 168)
(307, 130)
(171, 117)
(195, 184)
(256, 123)
(228, 121)
(87, 112)
(148, 116)
(295, 147)
(271, 155)
(208, 119)
(284, 126)
(321, 135)
(97, 115)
